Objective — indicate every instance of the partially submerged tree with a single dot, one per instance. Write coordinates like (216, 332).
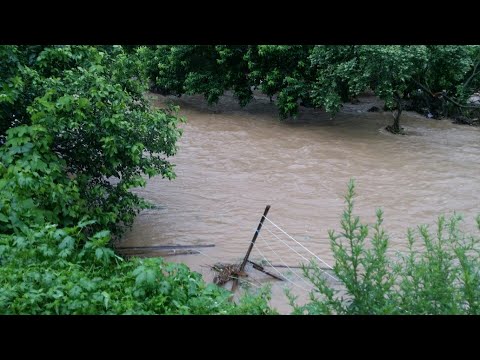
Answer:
(344, 71)
(390, 70)
(431, 79)
(200, 69)
(212, 70)
(450, 77)
(282, 70)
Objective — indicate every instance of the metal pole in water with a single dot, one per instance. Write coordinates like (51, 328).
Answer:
(254, 238)
(242, 266)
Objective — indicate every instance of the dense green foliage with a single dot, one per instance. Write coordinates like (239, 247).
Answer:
(51, 270)
(435, 79)
(438, 274)
(76, 134)
(34, 187)
(207, 70)
(87, 108)
(210, 70)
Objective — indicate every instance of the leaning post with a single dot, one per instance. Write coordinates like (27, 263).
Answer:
(252, 243)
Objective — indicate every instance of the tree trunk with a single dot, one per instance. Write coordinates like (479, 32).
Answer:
(395, 127)
(396, 121)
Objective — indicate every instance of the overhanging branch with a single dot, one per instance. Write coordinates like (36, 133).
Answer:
(444, 95)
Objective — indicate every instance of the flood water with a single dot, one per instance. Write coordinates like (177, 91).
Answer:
(232, 162)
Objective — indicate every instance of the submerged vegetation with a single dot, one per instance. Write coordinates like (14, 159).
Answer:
(435, 80)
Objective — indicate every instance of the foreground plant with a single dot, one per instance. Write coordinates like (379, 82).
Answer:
(438, 274)
(52, 270)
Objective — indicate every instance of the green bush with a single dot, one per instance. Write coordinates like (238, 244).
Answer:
(34, 188)
(439, 274)
(51, 270)
(102, 129)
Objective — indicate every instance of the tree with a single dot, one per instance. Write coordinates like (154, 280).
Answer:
(349, 70)
(98, 123)
(193, 69)
(212, 70)
(337, 76)
(423, 77)
(449, 79)
(282, 70)
(390, 70)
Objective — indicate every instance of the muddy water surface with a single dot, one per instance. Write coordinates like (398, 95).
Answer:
(232, 162)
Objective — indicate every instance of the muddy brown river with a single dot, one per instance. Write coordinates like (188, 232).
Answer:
(232, 162)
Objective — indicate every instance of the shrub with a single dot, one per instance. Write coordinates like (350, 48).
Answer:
(98, 124)
(52, 270)
(438, 274)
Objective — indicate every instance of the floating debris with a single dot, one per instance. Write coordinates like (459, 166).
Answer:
(226, 272)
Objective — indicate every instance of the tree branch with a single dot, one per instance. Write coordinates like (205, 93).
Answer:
(445, 96)
(474, 72)
(459, 105)
(423, 87)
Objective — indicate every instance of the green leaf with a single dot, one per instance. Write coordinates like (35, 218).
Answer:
(67, 243)
(101, 234)
(85, 223)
